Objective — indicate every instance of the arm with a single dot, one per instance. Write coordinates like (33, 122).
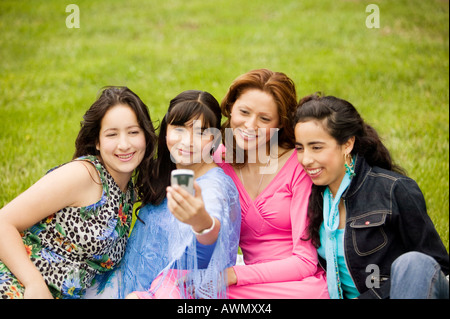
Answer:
(303, 261)
(414, 224)
(65, 186)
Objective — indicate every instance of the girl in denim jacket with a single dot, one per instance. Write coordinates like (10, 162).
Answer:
(367, 219)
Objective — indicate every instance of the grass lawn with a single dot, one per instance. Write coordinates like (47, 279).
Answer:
(397, 75)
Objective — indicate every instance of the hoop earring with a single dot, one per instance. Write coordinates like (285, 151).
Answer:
(349, 168)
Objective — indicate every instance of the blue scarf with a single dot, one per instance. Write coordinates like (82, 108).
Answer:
(331, 223)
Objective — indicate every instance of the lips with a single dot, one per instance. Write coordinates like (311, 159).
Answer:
(184, 152)
(246, 135)
(313, 172)
(125, 157)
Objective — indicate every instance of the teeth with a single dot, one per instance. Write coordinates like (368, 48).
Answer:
(314, 171)
(125, 156)
(248, 135)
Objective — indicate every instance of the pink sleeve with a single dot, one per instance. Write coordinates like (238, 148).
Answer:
(303, 262)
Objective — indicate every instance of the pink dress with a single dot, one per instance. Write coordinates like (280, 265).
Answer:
(278, 263)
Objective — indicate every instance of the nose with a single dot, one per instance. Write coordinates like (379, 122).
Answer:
(124, 143)
(251, 123)
(306, 159)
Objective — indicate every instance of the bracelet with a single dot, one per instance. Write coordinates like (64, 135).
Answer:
(207, 230)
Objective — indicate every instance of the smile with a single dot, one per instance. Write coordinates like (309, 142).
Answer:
(125, 157)
(313, 172)
(184, 152)
(247, 136)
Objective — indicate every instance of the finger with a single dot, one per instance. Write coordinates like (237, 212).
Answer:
(198, 190)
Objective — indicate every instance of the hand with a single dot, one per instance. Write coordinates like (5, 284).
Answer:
(37, 291)
(187, 208)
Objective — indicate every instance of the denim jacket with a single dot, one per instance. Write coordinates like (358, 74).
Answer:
(386, 217)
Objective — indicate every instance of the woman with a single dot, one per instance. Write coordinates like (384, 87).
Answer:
(273, 190)
(365, 213)
(183, 242)
(73, 223)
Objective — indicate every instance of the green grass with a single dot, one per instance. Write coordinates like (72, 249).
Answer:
(397, 75)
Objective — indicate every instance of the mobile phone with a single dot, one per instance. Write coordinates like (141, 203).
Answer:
(184, 178)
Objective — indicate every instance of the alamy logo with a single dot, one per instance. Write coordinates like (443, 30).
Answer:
(373, 19)
(73, 19)
(373, 280)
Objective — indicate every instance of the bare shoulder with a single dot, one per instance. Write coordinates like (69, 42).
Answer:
(76, 173)
(80, 181)
(72, 184)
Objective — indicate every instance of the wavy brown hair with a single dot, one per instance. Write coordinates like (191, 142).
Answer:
(276, 84)
(88, 136)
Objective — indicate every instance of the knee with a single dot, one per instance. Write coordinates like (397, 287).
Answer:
(413, 259)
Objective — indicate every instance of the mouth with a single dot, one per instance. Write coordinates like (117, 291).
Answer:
(313, 172)
(246, 135)
(184, 152)
(125, 157)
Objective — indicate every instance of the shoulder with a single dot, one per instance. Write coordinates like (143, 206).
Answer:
(79, 180)
(215, 177)
(216, 183)
(77, 172)
(396, 186)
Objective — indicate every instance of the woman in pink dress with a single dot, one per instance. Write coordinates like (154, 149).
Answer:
(274, 190)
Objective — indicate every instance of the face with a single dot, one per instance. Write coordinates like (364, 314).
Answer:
(254, 118)
(320, 155)
(189, 144)
(121, 142)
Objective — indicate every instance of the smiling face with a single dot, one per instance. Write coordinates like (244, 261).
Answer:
(189, 143)
(254, 114)
(320, 154)
(121, 143)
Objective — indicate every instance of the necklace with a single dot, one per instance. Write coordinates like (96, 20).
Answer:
(260, 180)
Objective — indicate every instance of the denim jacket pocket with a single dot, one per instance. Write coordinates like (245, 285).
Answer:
(368, 235)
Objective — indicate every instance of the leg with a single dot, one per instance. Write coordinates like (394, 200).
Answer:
(415, 275)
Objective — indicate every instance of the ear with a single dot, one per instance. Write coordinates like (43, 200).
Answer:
(348, 146)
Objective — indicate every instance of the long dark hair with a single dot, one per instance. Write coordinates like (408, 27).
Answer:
(186, 106)
(342, 121)
(88, 137)
(276, 84)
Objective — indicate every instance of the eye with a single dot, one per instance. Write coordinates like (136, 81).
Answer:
(244, 112)
(265, 119)
(298, 148)
(111, 134)
(134, 132)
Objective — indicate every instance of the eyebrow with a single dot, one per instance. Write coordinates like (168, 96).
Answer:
(310, 143)
(127, 128)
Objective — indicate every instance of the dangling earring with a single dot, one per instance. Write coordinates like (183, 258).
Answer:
(349, 168)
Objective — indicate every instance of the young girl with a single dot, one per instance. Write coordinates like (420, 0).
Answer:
(183, 241)
(73, 223)
(365, 213)
(273, 189)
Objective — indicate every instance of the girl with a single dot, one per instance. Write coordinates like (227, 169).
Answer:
(365, 213)
(273, 190)
(73, 223)
(184, 241)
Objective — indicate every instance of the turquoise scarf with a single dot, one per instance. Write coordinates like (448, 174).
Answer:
(331, 223)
